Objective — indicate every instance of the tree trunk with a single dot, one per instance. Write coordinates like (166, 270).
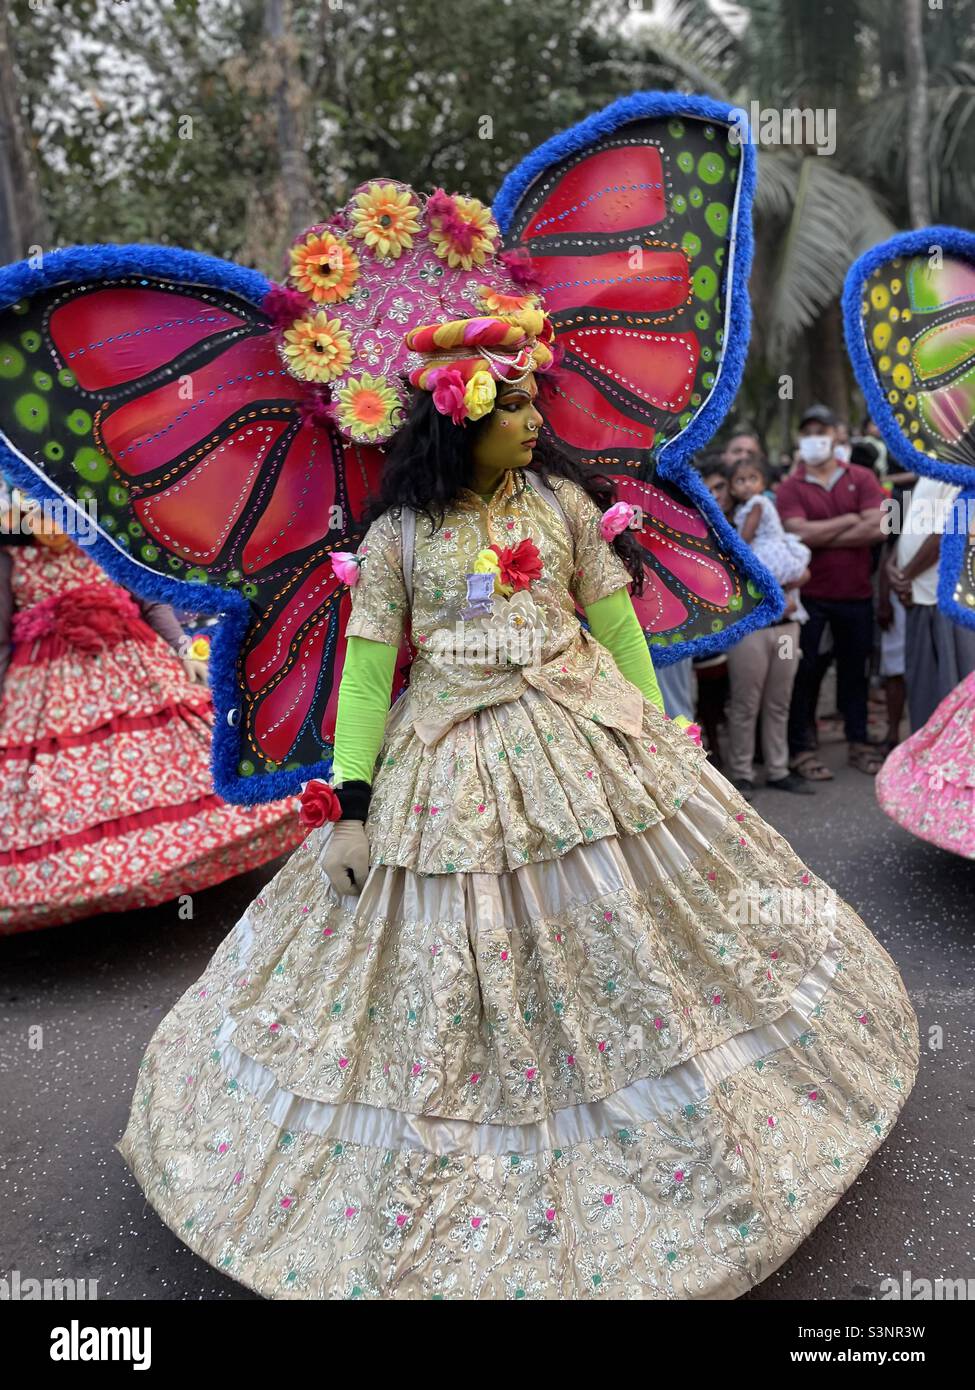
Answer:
(23, 222)
(290, 98)
(828, 380)
(915, 63)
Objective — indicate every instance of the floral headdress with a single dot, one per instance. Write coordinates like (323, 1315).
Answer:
(397, 289)
(465, 358)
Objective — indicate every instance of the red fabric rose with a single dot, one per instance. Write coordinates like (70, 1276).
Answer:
(520, 564)
(318, 805)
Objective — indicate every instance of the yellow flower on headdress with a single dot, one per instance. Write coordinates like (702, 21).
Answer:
(386, 218)
(480, 394)
(317, 348)
(368, 407)
(324, 267)
(465, 235)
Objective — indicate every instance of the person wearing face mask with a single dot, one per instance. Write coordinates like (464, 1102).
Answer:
(835, 508)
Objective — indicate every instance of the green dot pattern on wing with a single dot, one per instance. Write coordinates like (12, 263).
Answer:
(51, 420)
(702, 174)
(702, 177)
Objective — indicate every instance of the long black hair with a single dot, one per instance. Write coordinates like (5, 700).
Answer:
(428, 462)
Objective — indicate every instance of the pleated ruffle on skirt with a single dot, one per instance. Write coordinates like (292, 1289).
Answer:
(646, 1069)
(521, 782)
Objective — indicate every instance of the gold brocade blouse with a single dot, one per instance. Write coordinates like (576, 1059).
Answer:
(579, 567)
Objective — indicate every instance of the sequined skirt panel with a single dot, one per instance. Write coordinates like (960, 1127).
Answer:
(645, 1069)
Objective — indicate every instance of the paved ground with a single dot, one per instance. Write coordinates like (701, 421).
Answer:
(98, 990)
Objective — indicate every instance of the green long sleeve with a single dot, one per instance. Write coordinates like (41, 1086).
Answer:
(613, 622)
(363, 705)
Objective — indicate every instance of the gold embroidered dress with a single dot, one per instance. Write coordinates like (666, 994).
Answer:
(591, 1029)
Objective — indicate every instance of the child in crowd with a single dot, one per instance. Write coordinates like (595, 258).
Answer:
(759, 526)
(762, 666)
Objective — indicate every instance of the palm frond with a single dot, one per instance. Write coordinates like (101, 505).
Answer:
(825, 219)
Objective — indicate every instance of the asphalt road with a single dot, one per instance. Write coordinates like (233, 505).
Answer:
(98, 989)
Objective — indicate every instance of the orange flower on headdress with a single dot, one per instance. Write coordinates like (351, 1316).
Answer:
(324, 267)
(368, 407)
(386, 218)
(494, 302)
(462, 230)
(317, 348)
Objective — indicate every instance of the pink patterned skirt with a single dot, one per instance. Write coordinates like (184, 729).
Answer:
(927, 785)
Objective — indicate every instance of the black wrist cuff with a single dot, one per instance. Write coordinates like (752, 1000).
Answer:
(354, 800)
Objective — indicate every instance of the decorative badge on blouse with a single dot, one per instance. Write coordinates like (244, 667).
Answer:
(480, 595)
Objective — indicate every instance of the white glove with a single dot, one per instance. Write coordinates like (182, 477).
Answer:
(346, 857)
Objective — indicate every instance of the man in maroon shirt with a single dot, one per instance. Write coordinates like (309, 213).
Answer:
(836, 509)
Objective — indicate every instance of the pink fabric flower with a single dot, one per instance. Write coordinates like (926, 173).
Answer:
(616, 519)
(693, 732)
(521, 268)
(345, 567)
(284, 305)
(448, 394)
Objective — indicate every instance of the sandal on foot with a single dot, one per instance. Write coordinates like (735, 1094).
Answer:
(865, 758)
(807, 765)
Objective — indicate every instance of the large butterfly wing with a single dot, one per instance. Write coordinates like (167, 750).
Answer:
(143, 385)
(638, 225)
(909, 314)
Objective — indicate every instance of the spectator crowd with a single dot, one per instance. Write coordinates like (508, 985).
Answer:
(855, 546)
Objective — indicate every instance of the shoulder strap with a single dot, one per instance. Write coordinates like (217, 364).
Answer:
(407, 545)
(545, 491)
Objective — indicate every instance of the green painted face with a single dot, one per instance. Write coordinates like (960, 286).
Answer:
(510, 432)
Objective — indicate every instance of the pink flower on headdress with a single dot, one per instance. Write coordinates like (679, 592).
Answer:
(448, 393)
(461, 230)
(616, 519)
(345, 567)
(283, 305)
(314, 412)
(521, 268)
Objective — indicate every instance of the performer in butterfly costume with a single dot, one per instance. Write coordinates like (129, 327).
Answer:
(910, 325)
(549, 1011)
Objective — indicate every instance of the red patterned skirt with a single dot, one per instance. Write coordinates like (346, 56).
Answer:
(106, 797)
